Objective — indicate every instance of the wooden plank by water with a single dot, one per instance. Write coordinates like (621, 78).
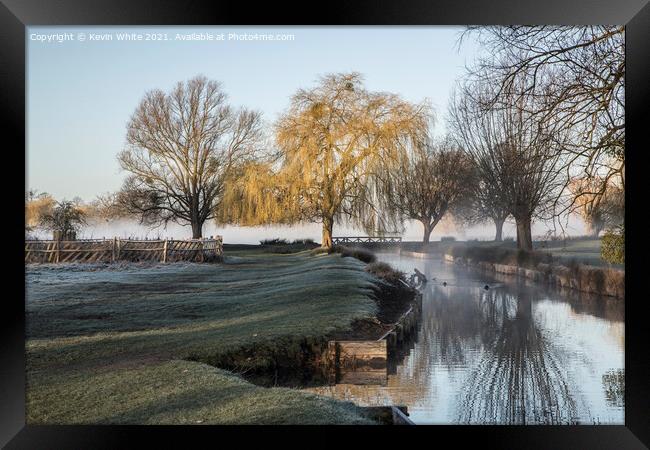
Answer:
(358, 362)
(357, 354)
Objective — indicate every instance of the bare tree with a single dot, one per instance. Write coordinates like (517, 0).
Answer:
(182, 146)
(484, 203)
(516, 154)
(432, 179)
(107, 206)
(577, 75)
(333, 142)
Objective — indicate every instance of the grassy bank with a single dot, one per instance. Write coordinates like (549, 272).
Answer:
(576, 250)
(542, 266)
(176, 392)
(497, 254)
(110, 345)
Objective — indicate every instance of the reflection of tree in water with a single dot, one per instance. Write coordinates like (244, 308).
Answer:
(451, 324)
(519, 379)
(614, 385)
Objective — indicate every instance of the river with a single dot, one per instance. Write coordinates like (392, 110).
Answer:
(514, 353)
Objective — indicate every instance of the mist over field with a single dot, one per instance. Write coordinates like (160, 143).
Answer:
(252, 235)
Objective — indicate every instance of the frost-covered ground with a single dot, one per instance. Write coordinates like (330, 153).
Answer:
(109, 343)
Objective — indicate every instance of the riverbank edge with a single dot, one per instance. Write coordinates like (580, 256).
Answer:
(398, 309)
(397, 303)
(382, 295)
(583, 278)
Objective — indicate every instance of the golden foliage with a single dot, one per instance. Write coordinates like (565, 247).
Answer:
(332, 142)
(37, 208)
(599, 201)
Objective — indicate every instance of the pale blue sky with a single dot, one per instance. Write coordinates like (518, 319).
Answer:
(81, 94)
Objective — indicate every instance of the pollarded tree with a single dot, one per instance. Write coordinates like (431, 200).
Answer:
(578, 75)
(484, 203)
(517, 154)
(433, 178)
(332, 143)
(182, 146)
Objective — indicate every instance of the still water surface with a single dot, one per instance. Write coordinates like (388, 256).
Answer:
(516, 353)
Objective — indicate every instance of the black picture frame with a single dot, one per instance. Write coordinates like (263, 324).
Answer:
(16, 15)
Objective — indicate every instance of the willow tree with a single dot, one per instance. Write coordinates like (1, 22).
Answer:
(433, 179)
(37, 205)
(182, 146)
(332, 142)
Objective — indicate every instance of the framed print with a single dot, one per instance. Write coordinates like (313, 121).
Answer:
(391, 214)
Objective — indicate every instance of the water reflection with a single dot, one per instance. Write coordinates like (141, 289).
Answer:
(513, 354)
(519, 378)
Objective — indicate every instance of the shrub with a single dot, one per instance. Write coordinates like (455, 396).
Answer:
(448, 239)
(501, 255)
(64, 220)
(361, 254)
(275, 241)
(508, 239)
(385, 272)
(307, 241)
(612, 247)
(284, 247)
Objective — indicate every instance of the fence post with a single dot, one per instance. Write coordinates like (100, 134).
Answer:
(164, 258)
(113, 249)
(57, 253)
(117, 250)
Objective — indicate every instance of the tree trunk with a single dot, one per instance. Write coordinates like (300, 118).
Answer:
(427, 232)
(598, 229)
(524, 234)
(197, 229)
(498, 223)
(594, 228)
(195, 218)
(328, 224)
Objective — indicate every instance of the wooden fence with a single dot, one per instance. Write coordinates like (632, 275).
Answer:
(116, 249)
